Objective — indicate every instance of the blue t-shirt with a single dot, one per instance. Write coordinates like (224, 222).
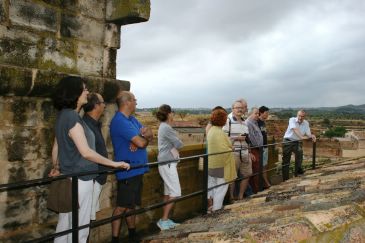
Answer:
(122, 130)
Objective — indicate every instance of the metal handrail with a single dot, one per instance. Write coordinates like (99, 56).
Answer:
(204, 191)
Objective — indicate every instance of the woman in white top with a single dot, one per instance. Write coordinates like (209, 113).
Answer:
(168, 145)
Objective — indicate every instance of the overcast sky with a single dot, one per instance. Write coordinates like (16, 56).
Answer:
(282, 53)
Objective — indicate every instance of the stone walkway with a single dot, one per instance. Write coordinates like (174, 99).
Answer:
(324, 205)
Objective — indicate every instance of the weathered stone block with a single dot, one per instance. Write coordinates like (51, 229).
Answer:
(18, 213)
(89, 59)
(37, 168)
(44, 82)
(6, 120)
(31, 14)
(125, 12)
(48, 112)
(112, 88)
(94, 84)
(4, 163)
(82, 28)
(2, 11)
(58, 55)
(333, 218)
(109, 64)
(46, 139)
(64, 4)
(15, 81)
(16, 33)
(95, 8)
(112, 36)
(21, 145)
(18, 52)
(24, 111)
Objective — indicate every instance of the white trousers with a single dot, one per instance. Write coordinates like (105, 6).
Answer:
(265, 157)
(95, 206)
(170, 177)
(65, 219)
(217, 194)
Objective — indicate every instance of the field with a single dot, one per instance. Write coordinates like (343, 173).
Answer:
(344, 147)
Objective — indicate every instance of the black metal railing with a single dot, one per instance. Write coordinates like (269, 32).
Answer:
(204, 192)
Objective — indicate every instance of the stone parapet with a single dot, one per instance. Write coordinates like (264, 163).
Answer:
(31, 218)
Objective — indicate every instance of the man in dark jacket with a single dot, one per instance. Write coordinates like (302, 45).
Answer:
(93, 110)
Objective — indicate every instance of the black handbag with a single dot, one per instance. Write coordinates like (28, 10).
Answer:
(60, 196)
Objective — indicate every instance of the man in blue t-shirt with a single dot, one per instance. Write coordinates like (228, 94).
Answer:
(130, 140)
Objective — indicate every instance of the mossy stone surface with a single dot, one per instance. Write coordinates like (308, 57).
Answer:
(18, 52)
(2, 11)
(15, 81)
(44, 83)
(69, 24)
(34, 15)
(125, 12)
(57, 54)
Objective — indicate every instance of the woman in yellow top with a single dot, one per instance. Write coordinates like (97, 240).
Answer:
(221, 167)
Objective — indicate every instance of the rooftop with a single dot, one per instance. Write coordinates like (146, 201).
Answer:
(324, 205)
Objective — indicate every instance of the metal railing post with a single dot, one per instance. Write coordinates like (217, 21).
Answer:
(314, 155)
(75, 209)
(261, 179)
(205, 185)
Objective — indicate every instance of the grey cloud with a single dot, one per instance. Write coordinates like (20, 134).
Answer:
(279, 53)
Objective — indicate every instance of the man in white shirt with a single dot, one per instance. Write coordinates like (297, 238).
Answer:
(298, 129)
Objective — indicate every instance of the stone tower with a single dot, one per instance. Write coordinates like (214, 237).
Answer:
(40, 42)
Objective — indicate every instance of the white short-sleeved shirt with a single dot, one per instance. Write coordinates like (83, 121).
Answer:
(235, 128)
(303, 128)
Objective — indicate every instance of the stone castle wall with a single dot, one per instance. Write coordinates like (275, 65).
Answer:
(40, 42)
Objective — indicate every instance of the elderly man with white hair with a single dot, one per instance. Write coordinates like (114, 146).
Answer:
(298, 129)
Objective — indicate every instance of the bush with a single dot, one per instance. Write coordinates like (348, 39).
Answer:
(335, 132)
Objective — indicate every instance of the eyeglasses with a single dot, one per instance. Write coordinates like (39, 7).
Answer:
(238, 108)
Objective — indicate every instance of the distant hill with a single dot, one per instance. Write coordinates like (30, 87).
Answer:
(346, 112)
(358, 109)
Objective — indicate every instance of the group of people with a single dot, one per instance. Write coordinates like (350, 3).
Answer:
(79, 146)
(227, 132)
(231, 132)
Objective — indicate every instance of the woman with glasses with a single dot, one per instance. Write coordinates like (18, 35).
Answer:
(74, 151)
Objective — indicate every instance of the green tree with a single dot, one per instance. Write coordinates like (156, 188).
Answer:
(326, 122)
(335, 132)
